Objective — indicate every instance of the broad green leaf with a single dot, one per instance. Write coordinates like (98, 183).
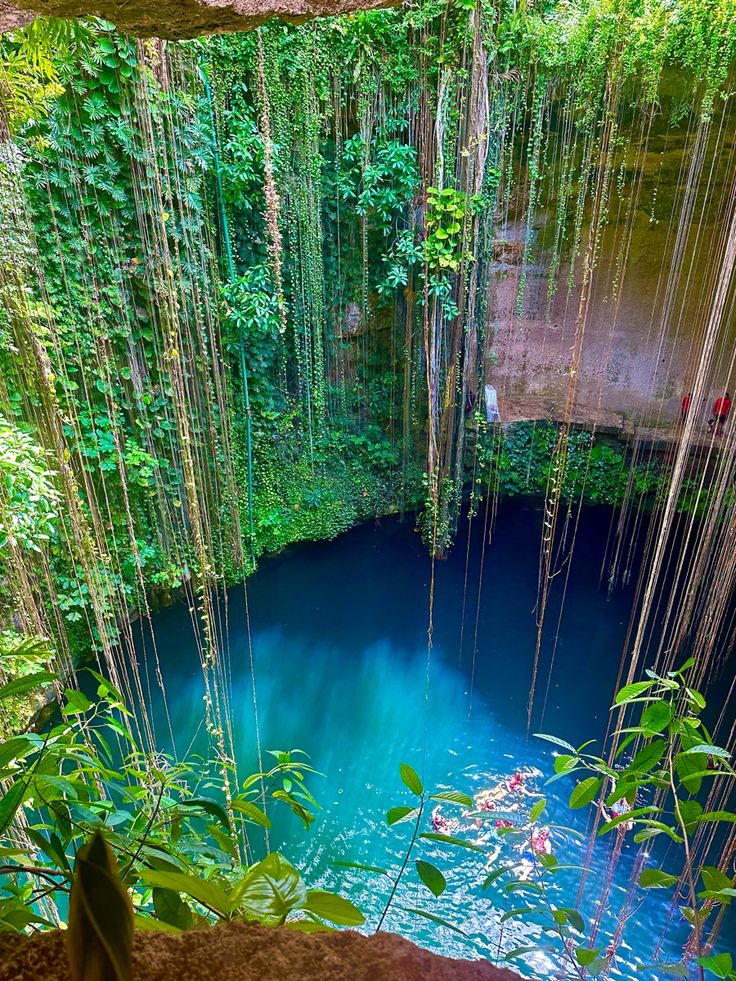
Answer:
(171, 909)
(305, 816)
(10, 802)
(574, 918)
(691, 811)
(210, 807)
(251, 812)
(690, 769)
(22, 685)
(411, 779)
(656, 879)
(449, 840)
(720, 965)
(454, 797)
(659, 826)
(333, 908)
(647, 757)
(629, 692)
(520, 951)
(558, 742)
(51, 847)
(106, 689)
(434, 919)
(585, 792)
(519, 885)
(714, 879)
(565, 762)
(362, 868)
(270, 890)
(636, 812)
(99, 937)
(585, 956)
(656, 716)
(308, 926)
(398, 814)
(150, 925)
(496, 874)
(710, 750)
(536, 810)
(727, 816)
(431, 876)
(521, 911)
(204, 891)
(76, 703)
(15, 749)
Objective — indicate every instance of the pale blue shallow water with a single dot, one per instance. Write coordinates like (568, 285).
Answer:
(339, 633)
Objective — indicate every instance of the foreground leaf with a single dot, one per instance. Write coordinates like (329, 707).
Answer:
(434, 919)
(656, 879)
(585, 792)
(334, 908)
(208, 893)
(99, 938)
(450, 840)
(411, 779)
(431, 876)
(270, 890)
(398, 814)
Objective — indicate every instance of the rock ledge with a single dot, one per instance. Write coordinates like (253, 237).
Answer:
(175, 19)
(249, 952)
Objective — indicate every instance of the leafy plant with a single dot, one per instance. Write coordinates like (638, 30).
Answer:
(664, 755)
(169, 826)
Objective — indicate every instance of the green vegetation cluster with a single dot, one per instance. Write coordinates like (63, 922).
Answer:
(109, 826)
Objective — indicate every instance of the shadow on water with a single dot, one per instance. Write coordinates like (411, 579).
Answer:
(339, 635)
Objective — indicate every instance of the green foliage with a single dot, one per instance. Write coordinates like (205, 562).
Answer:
(378, 182)
(664, 755)
(24, 664)
(142, 815)
(28, 494)
(521, 463)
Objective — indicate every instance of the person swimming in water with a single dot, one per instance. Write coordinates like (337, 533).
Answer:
(443, 825)
(540, 842)
(517, 783)
(618, 809)
(488, 800)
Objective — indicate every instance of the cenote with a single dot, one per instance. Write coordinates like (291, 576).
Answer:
(339, 641)
(367, 499)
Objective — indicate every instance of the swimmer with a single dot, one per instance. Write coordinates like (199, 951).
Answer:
(516, 784)
(618, 809)
(540, 843)
(441, 824)
(487, 800)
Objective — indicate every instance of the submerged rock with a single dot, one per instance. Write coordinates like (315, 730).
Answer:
(250, 952)
(181, 18)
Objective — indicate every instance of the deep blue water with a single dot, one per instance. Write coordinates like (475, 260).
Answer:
(339, 632)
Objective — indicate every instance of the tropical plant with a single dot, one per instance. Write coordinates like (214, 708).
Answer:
(172, 830)
(663, 757)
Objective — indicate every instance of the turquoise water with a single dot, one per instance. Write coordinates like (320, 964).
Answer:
(339, 633)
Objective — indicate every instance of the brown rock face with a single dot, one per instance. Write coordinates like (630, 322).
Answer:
(248, 952)
(181, 18)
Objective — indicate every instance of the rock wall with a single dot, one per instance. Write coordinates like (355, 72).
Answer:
(174, 19)
(644, 328)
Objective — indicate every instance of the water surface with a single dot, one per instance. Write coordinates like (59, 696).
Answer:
(344, 671)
